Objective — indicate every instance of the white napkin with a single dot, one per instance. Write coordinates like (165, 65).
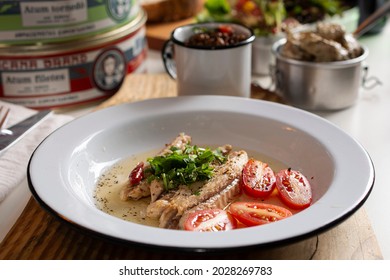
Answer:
(13, 163)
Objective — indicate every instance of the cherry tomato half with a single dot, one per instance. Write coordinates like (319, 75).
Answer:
(137, 174)
(210, 220)
(225, 29)
(258, 179)
(257, 213)
(294, 189)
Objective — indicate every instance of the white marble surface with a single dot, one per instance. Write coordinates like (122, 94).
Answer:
(368, 122)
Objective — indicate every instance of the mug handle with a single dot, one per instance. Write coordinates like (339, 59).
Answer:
(167, 53)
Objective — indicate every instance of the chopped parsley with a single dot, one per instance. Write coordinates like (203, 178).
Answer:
(184, 167)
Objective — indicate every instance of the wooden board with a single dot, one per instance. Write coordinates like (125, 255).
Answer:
(38, 235)
(146, 86)
(157, 34)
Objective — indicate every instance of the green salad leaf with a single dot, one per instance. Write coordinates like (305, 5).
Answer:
(310, 11)
(184, 167)
(216, 10)
(217, 7)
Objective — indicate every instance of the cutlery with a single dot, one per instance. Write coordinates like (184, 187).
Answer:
(16, 132)
(367, 24)
(4, 118)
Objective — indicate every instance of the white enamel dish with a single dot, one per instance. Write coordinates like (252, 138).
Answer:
(63, 170)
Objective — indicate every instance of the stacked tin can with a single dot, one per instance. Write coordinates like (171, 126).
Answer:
(61, 53)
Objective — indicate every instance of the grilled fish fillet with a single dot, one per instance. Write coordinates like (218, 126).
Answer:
(218, 201)
(171, 207)
(143, 189)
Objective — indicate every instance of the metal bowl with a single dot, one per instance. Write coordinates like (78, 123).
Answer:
(318, 85)
(262, 58)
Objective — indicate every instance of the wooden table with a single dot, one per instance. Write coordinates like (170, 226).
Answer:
(38, 235)
(158, 33)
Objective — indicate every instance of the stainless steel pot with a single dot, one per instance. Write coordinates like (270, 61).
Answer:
(262, 57)
(318, 85)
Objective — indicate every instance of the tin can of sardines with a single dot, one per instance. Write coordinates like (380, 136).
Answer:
(31, 21)
(75, 72)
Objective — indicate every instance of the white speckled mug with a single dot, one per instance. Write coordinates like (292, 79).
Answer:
(222, 70)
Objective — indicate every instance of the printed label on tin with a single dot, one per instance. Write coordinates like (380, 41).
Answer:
(109, 70)
(119, 9)
(25, 21)
(62, 79)
(35, 82)
(53, 12)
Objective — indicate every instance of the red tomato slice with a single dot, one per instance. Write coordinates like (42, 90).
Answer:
(137, 174)
(210, 220)
(294, 189)
(225, 29)
(257, 213)
(258, 179)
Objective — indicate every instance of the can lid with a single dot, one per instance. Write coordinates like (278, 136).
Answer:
(76, 44)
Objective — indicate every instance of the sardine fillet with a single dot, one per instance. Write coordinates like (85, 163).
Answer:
(218, 201)
(143, 188)
(224, 176)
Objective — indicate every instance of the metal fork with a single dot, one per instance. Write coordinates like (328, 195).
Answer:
(3, 121)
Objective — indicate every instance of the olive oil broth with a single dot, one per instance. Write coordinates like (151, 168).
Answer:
(116, 177)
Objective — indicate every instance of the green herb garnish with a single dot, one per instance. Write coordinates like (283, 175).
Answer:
(184, 167)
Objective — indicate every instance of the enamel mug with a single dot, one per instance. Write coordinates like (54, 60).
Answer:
(220, 70)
